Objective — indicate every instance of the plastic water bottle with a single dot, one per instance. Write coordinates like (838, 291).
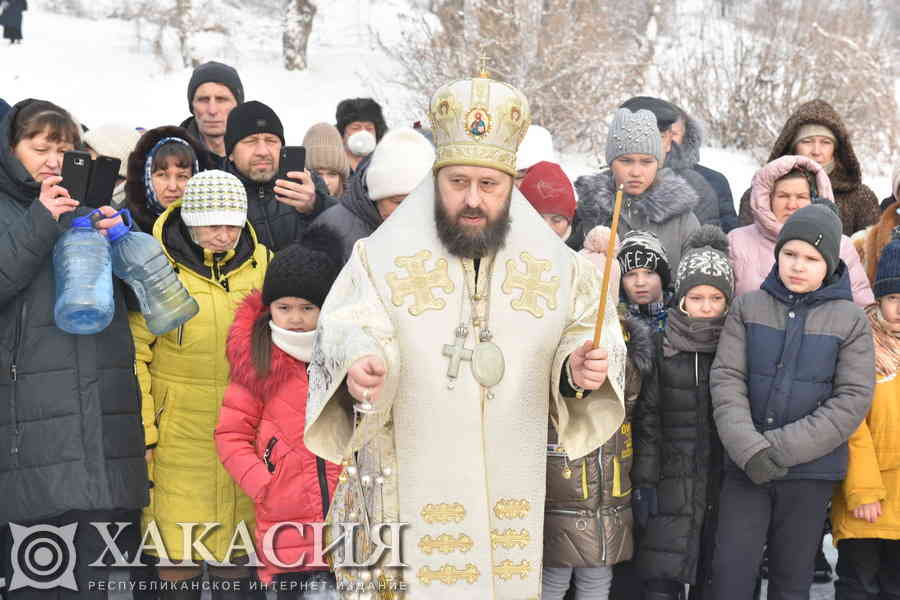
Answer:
(139, 261)
(83, 272)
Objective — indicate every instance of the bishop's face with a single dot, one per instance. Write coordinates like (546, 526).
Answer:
(471, 208)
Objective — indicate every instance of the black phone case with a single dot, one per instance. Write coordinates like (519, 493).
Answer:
(76, 174)
(103, 181)
(293, 158)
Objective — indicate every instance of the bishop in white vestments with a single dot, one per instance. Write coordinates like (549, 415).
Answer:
(451, 335)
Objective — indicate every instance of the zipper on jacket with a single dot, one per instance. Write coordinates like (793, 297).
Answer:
(569, 512)
(323, 485)
(14, 377)
(180, 334)
(217, 274)
(267, 455)
(261, 194)
(696, 369)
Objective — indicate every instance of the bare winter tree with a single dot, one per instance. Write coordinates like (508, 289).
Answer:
(184, 27)
(560, 53)
(169, 28)
(745, 78)
(298, 23)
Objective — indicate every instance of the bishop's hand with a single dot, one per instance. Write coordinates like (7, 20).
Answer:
(589, 366)
(365, 380)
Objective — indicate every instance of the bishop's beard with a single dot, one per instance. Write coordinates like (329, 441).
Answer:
(467, 242)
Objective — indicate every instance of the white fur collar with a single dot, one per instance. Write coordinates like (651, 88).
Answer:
(298, 344)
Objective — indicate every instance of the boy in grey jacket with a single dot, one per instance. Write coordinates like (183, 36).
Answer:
(792, 380)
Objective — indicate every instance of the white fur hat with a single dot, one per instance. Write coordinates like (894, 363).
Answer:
(117, 141)
(401, 160)
(536, 147)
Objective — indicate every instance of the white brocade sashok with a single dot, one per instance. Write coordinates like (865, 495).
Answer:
(463, 465)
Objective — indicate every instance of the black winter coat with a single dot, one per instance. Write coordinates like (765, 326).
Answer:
(355, 215)
(215, 161)
(12, 16)
(688, 457)
(707, 208)
(728, 218)
(278, 225)
(687, 156)
(70, 421)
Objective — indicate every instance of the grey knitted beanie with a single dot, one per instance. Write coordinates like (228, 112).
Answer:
(633, 133)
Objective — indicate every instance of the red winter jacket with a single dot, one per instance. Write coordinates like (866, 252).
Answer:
(268, 415)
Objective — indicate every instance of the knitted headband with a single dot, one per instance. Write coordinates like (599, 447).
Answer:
(152, 202)
(811, 129)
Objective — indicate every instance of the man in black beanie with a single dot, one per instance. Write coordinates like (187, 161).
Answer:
(360, 119)
(279, 209)
(213, 91)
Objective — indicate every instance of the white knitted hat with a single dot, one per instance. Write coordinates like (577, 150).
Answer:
(400, 162)
(537, 146)
(117, 141)
(214, 198)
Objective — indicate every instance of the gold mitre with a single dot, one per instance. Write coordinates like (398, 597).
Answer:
(478, 122)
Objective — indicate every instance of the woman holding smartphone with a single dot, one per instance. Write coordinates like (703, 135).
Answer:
(71, 442)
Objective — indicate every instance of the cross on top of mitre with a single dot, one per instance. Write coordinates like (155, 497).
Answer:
(483, 60)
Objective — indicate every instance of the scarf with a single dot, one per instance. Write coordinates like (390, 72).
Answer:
(298, 344)
(887, 343)
(654, 313)
(152, 202)
(686, 334)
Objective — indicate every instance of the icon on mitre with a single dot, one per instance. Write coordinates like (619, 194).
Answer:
(479, 121)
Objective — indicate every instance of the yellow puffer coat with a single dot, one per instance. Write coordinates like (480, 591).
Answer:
(874, 470)
(183, 376)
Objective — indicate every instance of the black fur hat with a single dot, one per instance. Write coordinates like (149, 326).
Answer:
(665, 112)
(360, 109)
(306, 270)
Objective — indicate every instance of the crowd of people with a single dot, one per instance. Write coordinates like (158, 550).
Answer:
(742, 399)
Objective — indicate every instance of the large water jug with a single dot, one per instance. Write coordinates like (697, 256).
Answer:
(139, 261)
(83, 272)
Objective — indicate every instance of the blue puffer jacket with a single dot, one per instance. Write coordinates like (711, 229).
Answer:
(795, 373)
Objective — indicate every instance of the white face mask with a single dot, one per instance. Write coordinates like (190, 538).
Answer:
(361, 143)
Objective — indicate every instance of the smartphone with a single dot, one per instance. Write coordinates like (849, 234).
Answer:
(76, 174)
(293, 158)
(103, 181)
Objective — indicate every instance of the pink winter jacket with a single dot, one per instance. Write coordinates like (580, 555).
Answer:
(753, 246)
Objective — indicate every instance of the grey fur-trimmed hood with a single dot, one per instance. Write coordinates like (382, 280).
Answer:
(640, 343)
(687, 154)
(668, 197)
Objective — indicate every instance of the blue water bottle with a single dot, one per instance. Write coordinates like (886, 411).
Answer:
(83, 272)
(139, 261)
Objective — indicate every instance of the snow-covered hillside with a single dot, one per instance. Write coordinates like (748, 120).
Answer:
(104, 70)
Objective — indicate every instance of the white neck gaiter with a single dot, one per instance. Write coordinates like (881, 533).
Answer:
(298, 344)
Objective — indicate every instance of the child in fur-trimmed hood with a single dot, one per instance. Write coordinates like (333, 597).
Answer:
(259, 437)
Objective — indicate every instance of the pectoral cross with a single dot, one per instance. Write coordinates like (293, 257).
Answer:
(456, 352)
